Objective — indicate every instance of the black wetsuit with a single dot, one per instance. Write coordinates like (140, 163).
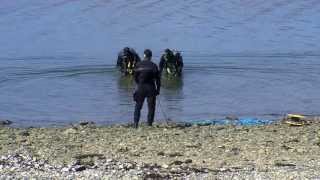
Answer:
(123, 62)
(172, 62)
(147, 78)
(179, 62)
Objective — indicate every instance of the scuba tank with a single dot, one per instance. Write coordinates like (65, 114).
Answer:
(171, 69)
(130, 67)
(127, 60)
(170, 64)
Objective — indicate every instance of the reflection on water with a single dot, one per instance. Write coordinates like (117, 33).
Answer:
(126, 86)
(171, 88)
(171, 98)
(169, 84)
(174, 83)
(126, 83)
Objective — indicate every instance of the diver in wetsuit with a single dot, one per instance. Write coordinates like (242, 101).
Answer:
(179, 62)
(147, 78)
(127, 60)
(171, 62)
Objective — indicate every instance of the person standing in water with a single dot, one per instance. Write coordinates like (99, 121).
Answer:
(171, 62)
(147, 78)
(127, 60)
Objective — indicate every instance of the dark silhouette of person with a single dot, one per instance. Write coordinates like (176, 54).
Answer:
(127, 60)
(147, 78)
(179, 62)
(171, 62)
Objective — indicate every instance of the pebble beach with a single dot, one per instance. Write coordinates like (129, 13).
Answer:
(164, 151)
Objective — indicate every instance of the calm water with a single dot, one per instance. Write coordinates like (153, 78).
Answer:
(249, 58)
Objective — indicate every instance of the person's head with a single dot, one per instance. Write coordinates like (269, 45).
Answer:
(126, 49)
(147, 53)
(126, 53)
(168, 53)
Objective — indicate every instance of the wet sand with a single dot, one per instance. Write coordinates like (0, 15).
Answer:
(276, 151)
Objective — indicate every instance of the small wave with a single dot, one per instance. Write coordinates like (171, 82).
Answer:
(87, 69)
(61, 72)
(47, 58)
(224, 69)
(190, 53)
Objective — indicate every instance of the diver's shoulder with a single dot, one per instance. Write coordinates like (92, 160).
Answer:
(153, 63)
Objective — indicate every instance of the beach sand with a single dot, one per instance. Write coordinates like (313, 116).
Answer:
(276, 151)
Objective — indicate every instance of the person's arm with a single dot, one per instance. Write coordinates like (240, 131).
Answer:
(158, 79)
(161, 64)
(119, 60)
(136, 74)
(137, 58)
(181, 61)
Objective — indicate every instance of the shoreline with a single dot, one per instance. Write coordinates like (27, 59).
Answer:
(273, 151)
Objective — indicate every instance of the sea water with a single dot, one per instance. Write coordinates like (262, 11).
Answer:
(246, 58)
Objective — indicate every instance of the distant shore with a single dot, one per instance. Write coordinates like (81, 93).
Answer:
(276, 151)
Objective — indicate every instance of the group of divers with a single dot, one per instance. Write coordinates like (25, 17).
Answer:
(147, 76)
(171, 61)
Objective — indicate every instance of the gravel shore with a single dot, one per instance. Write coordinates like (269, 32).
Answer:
(175, 151)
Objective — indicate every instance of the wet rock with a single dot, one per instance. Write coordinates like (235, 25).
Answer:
(284, 163)
(233, 151)
(79, 168)
(181, 125)
(129, 166)
(5, 122)
(23, 140)
(126, 166)
(84, 123)
(232, 117)
(175, 154)
(123, 149)
(177, 162)
(220, 128)
(24, 133)
(83, 156)
(294, 140)
(194, 145)
(286, 147)
(152, 175)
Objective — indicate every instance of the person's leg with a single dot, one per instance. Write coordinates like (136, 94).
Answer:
(139, 103)
(179, 69)
(151, 109)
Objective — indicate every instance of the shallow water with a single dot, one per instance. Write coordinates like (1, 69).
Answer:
(245, 58)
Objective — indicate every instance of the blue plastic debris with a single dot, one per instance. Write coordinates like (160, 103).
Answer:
(240, 122)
